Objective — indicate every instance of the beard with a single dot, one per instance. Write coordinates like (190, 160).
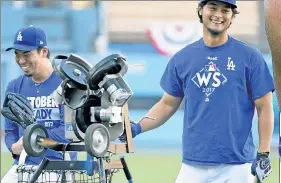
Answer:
(215, 32)
(28, 75)
(27, 72)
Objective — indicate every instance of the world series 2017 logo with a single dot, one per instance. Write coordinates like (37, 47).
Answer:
(209, 78)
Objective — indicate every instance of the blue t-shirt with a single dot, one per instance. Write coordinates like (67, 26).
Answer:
(219, 86)
(46, 113)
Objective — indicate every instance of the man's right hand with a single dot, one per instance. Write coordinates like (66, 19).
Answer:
(18, 147)
(262, 166)
(136, 130)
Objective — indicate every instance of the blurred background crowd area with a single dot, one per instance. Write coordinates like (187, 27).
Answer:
(145, 32)
(121, 21)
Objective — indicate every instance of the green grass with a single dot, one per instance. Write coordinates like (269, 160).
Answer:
(153, 168)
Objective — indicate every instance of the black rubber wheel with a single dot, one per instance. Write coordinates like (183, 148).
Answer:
(108, 65)
(97, 140)
(75, 73)
(83, 118)
(30, 144)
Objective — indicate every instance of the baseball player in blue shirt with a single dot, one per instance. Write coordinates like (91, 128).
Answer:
(221, 81)
(37, 83)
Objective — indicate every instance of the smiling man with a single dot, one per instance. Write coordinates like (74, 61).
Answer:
(36, 83)
(221, 81)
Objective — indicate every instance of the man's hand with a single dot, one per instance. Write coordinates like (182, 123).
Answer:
(17, 147)
(261, 167)
(136, 130)
(17, 108)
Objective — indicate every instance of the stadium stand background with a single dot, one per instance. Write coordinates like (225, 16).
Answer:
(95, 29)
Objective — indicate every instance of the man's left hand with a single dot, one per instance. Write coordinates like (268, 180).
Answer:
(261, 167)
(17, 108)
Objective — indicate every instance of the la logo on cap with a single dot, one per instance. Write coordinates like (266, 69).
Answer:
(19, 38)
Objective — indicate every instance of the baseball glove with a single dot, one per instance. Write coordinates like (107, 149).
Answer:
(17, 108)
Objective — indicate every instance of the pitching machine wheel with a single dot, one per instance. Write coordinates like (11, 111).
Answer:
(97, 140)
(74, 68)
(112, 64)
(30, 139)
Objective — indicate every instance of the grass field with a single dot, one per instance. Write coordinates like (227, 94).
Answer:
(150, 168)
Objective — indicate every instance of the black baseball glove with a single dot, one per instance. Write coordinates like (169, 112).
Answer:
(17, 108)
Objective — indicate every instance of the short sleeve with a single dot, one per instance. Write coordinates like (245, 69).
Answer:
(261, 80)
(170, 81)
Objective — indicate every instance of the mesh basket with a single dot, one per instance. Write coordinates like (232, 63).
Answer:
(25, 173)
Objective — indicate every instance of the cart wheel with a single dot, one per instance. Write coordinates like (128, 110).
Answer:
(96, 140)
(30, 135)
